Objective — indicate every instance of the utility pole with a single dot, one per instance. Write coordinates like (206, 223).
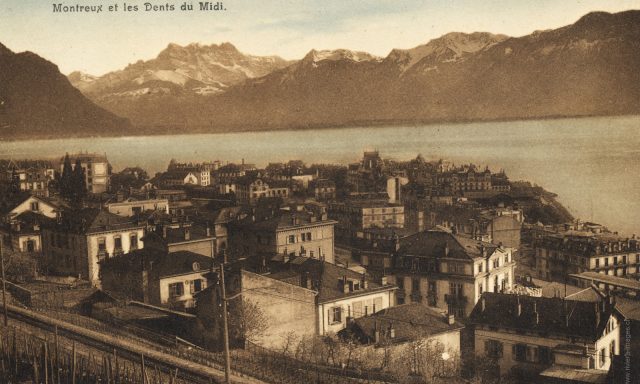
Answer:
(4, 285)
(227, 357)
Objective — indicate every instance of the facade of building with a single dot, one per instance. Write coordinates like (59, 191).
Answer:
(76, 241)
(323, 189)
(449, 271)
(557, 255)
(292, 233)
(32, 176)
(131, 206)
(177, 237)
(249, 189)
(156, 277)
(342, 294)
(529, 334)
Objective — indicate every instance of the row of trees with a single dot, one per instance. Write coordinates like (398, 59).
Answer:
(73, 183)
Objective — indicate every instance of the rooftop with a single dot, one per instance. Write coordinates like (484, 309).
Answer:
(555, 315)
(409, 321)
(326, 278)
(440, 244)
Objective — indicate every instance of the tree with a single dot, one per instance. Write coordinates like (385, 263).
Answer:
(79, 182)
(66, 179)
(247, 321)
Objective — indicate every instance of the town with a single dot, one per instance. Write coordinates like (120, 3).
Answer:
(379, 271)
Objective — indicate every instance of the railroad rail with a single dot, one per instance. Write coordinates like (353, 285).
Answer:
(187, 370)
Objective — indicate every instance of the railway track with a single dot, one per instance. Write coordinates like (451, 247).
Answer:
(186, 370)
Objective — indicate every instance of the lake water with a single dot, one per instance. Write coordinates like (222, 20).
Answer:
(591, 163)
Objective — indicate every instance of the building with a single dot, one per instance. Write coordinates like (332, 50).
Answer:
(342, 294)
(528, 335)
(157, 277)
(356, 215)
(393, 328)
(186, 236)
(250, 188)
(132, 206)
(97, 170)
(22, 218)
(292, 233)
(31, 176)
(323, 189)
(77, 240)
(557, 255)
(449, 271)
(176, 178)
(22, 232)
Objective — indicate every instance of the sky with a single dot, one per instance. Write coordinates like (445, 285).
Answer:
(98, 43)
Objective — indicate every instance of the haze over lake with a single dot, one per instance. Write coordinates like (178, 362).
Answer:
(591, 163)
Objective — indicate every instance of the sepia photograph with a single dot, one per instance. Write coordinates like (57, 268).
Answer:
(320, 192)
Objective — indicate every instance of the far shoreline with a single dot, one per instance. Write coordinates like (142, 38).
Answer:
(164, 131)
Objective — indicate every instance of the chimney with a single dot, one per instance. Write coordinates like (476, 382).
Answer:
(537, 317)
(365, 283)
(187, 233)
(208, 230)
(392, 331)
(483, 303)
(446, 249)
(451, 319)
(383, 280)
(164, 231)
(519, 308)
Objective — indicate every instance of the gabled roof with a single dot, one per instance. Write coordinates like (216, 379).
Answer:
(326, 278)
(585, 319)
(159, 263)
(409, 321)
(434, 244)
(288, 220)
(91, 220)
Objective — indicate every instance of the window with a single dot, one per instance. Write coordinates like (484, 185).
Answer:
(612, 348)
(597, 263)
(415, 285)
(195, 286)
(457, 268)
(176, 289)
(117, 241)
(102, 247)
(306, 236)
(520, 352)
(603, 357)
(133, 241)
(544, 355)
(480, 267)
(455, 289)
(433, 288)
(493, 348)
(35, 206)
(292, 239)
(335, 315)
(606, 261)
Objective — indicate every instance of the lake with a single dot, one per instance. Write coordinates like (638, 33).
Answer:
(591, 163)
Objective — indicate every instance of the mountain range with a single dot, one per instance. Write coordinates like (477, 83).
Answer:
(36, 100)
(585, 69)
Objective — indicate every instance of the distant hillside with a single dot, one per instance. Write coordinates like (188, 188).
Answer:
(585, 69)
(178, 71)
(36, 100)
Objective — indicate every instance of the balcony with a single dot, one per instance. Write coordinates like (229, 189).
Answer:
(455, 299)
